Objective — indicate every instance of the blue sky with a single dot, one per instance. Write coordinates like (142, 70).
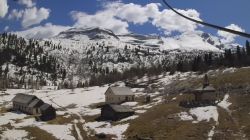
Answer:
(221, 12)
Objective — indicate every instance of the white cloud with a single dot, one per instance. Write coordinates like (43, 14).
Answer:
(27, 3)
(170, 21)
(136, 13)
(166, 20)
(32, 16)
(15, 14)
(3, 8)
(40, 32)
(116, 16)
(228, 37)
(103, 19)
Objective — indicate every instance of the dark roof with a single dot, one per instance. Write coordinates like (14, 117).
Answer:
(121, 108)
(23, 98)
(205, 89)
(35, 102)
(45, 106)
(121, 91)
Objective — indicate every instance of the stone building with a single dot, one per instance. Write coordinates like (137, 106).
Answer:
(116, 95)
(115, 112)
(32, 105)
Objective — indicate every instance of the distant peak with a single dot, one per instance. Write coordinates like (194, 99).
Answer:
(92, 32)
(88, 29)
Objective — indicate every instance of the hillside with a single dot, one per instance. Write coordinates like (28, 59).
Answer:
(82, 53)
(228, 120)
(201, 41)
(95, 56)
(78, 110)
(52, 69)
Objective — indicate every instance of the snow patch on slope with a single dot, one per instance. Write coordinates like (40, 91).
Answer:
(185, 116)
(205, 113)
(225, 103)
(211, 133)
(107, 128)
(59, 131)
(9, 117)
(14, 134)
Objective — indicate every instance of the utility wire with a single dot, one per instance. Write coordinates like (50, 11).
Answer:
(247, 35)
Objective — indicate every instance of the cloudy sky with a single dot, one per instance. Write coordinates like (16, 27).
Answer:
(46, 18)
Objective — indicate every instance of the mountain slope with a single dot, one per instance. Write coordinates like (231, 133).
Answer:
(96, 51)
(187, 41)
(142, 40)
(90, 33)
(91, 52)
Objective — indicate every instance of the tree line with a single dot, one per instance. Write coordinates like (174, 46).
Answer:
(29, 58)
(239, 57)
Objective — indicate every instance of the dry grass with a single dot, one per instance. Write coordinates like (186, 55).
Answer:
(38, 134)
(4, 127)
(241, 114)
(61, 120)
(90, 118)
(3, 110)
(236, 79)
(84, 133)
(74, 133)
(160, 124)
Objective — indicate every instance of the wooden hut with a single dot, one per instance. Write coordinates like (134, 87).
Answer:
(32, 105)
(47, 112)
(115, 112)
(205, 89)
(116, 95)
(203, 96)
(22, 101)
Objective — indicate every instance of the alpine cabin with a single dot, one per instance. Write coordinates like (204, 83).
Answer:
(115, 112)
(30, 104)
(116, 95)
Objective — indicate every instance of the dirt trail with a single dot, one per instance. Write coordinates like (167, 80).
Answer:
(229, 127)
(81, 120)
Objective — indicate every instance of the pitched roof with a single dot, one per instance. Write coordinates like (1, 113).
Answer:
(44, 107)
(23, 98)
(35, 102)
(206, 89)
(121, 108)
(121, 91)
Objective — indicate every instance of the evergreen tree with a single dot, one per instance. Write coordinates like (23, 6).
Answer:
(248, 48)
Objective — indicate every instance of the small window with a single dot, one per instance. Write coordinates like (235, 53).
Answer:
(126, 99)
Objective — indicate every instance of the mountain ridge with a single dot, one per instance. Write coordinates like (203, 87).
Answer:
(97, 34)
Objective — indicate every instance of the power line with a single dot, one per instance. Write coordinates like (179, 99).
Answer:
(247, 35)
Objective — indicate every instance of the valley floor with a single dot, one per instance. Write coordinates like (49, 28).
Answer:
(162, 118)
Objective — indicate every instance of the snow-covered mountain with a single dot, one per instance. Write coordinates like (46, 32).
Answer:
(83, 52)
(142, 40)
(187, 41)
(89, 33)
(85, 49)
